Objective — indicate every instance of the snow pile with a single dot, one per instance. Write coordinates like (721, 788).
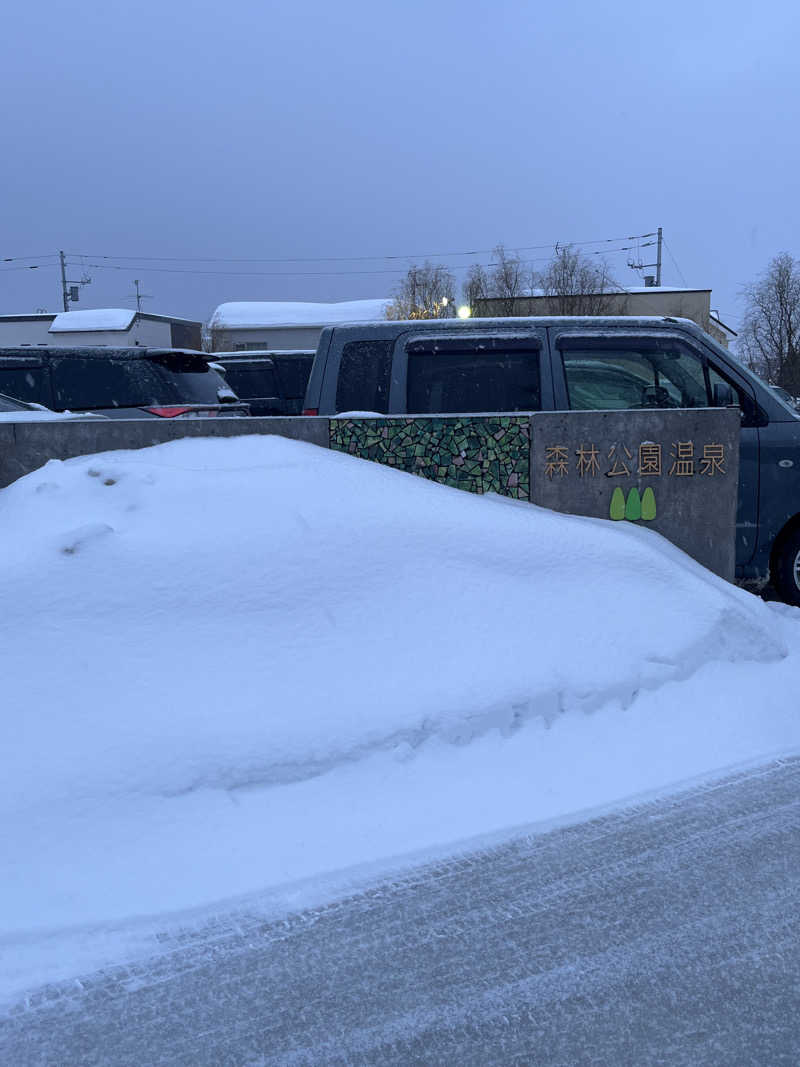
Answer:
(92, 319)
(254, 313)
(35, 415)
(231, 664)
(255, 611)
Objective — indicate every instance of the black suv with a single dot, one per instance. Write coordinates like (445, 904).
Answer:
(272, 382)
(118, 382)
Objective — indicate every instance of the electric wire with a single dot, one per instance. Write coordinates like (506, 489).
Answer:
(355, 259)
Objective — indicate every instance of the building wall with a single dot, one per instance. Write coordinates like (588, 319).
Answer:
(269, 337)
(146, 334)
(694, 304)
(34, 331)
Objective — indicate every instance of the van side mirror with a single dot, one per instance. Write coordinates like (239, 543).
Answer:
(724, 396)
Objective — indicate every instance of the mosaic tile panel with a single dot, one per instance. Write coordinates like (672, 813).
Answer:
(482, 454)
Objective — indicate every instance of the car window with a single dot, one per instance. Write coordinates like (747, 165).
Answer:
(186, 379)
(722, 389)
(363, 383)
(26, 383)
(82, 384)
(252, 379)
(448, 378)
(294, 372)
(622, 376)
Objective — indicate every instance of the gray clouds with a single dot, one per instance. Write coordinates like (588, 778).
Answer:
(310, 129)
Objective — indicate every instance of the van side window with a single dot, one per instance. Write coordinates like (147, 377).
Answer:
(30, 384)
(452, 376)
(610, 376)
(724, 391)
(363, 383)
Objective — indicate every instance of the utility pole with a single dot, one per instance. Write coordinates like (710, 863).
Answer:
(658, 258)
(649, 279)
(64, 293)
(70, 291)
(140, 296)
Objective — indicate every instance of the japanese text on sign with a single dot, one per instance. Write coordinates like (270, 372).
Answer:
(646, 460)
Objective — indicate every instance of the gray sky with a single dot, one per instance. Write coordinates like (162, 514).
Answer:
(309, 129)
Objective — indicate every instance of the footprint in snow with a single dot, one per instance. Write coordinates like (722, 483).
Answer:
(77, 539)
(107, 480)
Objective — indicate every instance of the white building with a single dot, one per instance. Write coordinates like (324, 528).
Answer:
(99, 327)
(254, 325)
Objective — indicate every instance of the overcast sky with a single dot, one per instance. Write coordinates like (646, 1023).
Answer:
(313, 130)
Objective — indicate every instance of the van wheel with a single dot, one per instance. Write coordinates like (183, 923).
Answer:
(786, 574)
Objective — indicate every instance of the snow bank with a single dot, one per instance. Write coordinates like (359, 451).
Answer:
(232, 664)
(92, 319)
(230, 613)
(255, 313)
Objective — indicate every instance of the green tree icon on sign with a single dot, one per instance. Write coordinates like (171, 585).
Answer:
(648, 505)
(633, 507)
(617, 508)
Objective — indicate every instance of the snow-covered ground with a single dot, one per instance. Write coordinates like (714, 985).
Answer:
(252, 666)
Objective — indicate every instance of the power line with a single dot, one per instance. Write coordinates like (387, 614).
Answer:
(282, 273)
(354, 259)
(35, 266)
(675, 264)
(14, 259)
(315, 273)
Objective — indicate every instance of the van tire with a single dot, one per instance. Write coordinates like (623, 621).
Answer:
(786, 573)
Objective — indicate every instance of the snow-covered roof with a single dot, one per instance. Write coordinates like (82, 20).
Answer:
(662, 289)
(251, 314)
(92, 319)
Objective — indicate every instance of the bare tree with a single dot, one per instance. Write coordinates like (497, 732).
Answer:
(426, 292)
(504, 281)
(507, 279)
(476, 285)
(770, 339)
(576, 284)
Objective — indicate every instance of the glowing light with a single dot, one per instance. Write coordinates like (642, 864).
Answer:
(464, 312)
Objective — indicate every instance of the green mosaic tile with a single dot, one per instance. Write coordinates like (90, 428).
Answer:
(480, 453)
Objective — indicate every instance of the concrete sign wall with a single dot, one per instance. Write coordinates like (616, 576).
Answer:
(26, 446)
(676, 472)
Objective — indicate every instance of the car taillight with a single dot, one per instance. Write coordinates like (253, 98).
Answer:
(311, 411)
(169, 412)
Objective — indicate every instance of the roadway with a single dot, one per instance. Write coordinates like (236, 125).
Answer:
(666, 933)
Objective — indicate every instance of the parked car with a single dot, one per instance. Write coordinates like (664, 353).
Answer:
(118, 382)
(12, 410)
(556, 364)
(272, 382)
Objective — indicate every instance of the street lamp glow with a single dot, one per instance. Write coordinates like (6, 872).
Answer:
(464, 312)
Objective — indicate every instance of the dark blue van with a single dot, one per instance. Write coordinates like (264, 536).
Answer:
(445, 366)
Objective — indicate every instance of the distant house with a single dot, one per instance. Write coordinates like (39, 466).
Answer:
(100, 327)
(694, 304)
(253, 325)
